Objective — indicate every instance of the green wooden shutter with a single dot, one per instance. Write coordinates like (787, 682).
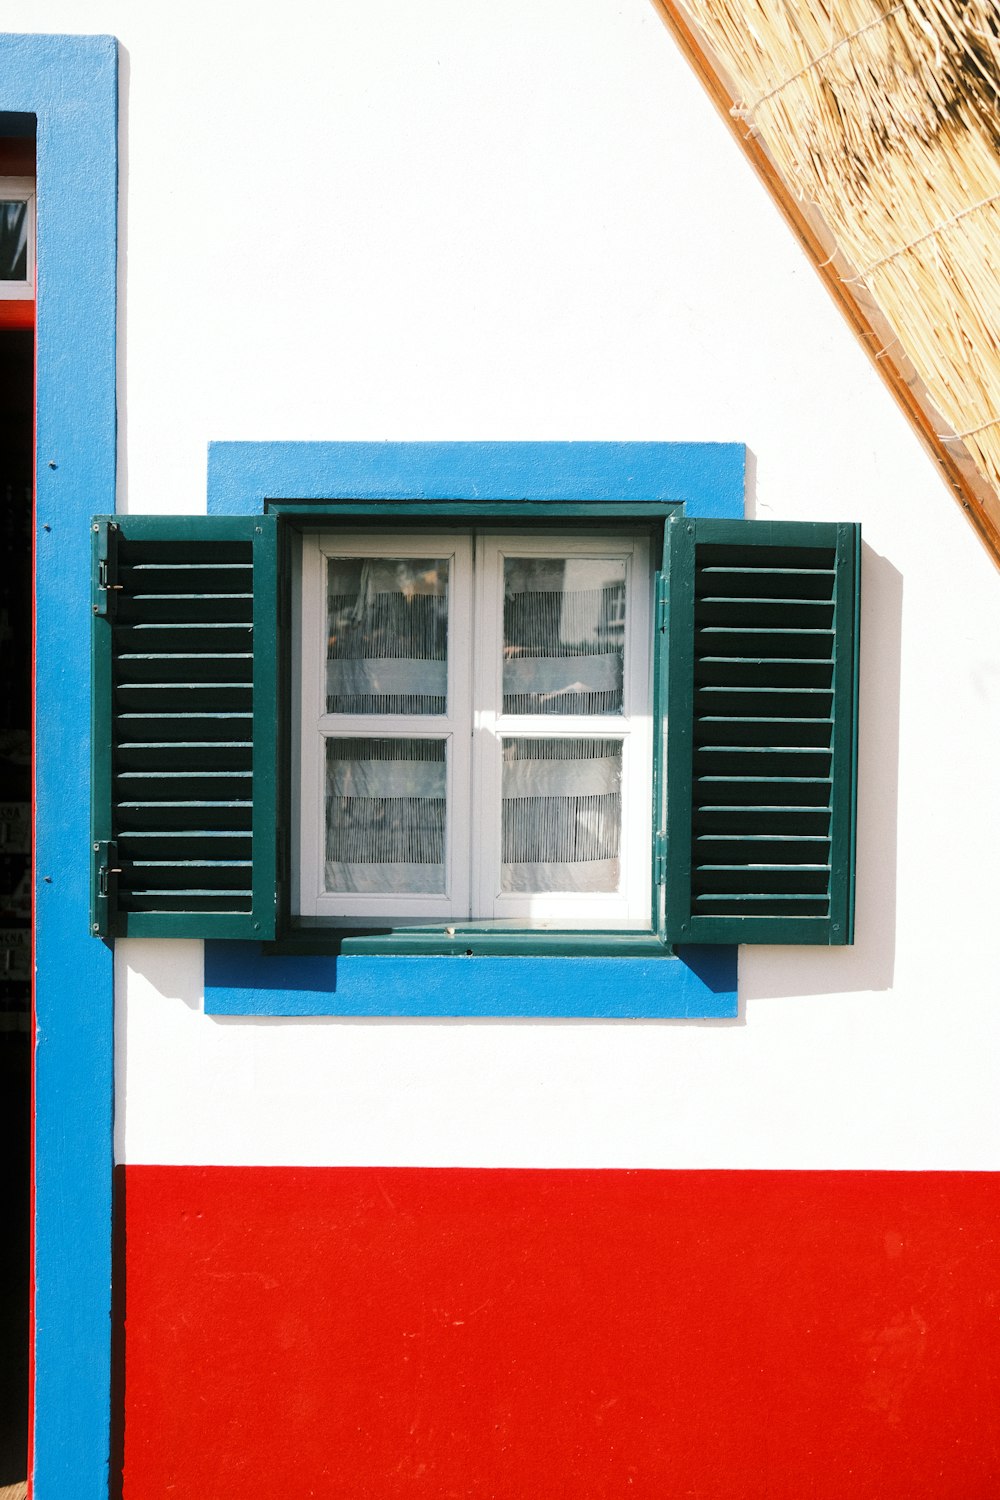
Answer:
(184, 726)
(761, 735)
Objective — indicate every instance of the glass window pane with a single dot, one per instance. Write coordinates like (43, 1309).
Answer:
(562, 815)
(563, 635)
(386, 815)
(387, 635)
(13, 240)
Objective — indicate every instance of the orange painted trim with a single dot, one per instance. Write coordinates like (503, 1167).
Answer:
(19, 313)
(971, 491)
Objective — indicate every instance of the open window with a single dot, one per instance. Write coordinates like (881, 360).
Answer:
(480, 734)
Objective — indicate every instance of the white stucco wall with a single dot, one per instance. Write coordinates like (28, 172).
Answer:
(463, 221)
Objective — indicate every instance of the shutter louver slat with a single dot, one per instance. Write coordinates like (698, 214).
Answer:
(761, 750)
(185, 693)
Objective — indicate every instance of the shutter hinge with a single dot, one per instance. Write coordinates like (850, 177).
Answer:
(662, 600)
(106, 584)
(106, 872)
(660, 858)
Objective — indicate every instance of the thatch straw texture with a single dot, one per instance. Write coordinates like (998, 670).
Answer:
(886, 117)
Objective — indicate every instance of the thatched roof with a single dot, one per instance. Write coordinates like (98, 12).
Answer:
(877, 125)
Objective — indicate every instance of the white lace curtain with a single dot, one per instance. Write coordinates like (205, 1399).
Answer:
(385, 815)
(561, 815)
(387, 636)
(563, 653)
(564, 624)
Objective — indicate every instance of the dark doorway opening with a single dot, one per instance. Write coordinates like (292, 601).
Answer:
(16, 388)
(16, 470)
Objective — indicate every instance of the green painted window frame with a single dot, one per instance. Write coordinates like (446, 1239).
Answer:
(474, 938)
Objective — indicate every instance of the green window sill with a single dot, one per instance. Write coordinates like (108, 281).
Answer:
(470, 940)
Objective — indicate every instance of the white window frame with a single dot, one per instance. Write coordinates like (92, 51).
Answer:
(633, 727)
(474, 727)
(15, 190)
(317, 726)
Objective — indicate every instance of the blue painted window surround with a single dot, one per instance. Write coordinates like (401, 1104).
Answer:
(240, 977)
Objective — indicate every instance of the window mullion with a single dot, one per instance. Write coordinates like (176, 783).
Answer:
(487, 674)
(461, 634)
(590, 725)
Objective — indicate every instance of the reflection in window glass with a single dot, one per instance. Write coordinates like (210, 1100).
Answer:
(387, 635)
(385, 815)
(562, 815)
(563, 635)
(13, 240)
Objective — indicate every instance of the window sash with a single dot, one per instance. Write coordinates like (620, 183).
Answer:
(312, 898)
(632, 727)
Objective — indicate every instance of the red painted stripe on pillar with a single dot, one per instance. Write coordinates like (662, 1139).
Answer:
(19, 313)
(535, 1335)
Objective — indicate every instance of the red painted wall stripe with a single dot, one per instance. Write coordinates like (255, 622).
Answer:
(577, 1334)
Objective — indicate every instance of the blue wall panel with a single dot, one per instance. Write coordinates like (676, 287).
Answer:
(70, 84)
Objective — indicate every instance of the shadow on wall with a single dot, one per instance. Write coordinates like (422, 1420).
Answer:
(869, 964)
